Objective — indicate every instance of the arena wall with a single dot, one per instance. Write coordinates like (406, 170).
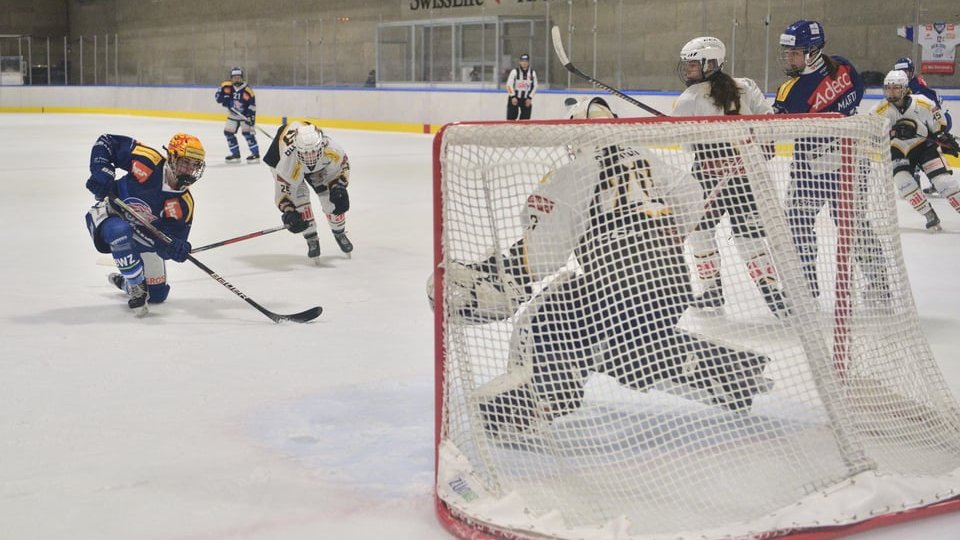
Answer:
(404, 110)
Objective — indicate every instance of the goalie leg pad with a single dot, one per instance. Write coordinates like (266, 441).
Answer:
(546, 371)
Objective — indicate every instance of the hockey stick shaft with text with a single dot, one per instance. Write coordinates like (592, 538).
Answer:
(302, 317)
(238, 239)
(568, 65)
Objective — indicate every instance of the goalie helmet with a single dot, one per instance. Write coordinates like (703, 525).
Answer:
(905, 64)
(707, 53)
(309, 143)
(595, 107)
(896, 86)
(801, 40)
(185, 160)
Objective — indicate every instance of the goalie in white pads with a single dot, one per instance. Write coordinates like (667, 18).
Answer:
(623, 216)
(719, 168)
(301, 157)
(918, 133)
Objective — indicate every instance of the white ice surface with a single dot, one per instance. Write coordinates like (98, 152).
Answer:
(205, 420)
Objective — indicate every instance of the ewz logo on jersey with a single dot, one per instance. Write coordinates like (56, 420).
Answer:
(829, 90)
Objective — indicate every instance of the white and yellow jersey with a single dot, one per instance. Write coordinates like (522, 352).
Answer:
(560, 211)
(696, 100)
(333, 167)
(919, 113)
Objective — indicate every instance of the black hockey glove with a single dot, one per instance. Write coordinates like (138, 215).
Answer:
(948, 143)
(102, 185)
(340, 199)
(294, 221)
(176, 250)
(904, 129)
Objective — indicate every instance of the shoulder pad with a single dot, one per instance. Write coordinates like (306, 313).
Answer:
(785, 88)
(147, 153)
(923, 101)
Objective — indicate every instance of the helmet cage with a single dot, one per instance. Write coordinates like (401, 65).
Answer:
(802, 37)
(896, 86)
(708, 53)
(185, 160)
(309, 143)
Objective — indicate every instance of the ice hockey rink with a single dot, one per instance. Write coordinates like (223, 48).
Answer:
(205, 420)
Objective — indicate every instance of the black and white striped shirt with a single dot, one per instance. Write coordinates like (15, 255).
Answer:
(522, 83)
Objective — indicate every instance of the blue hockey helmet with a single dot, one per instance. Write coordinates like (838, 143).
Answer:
(905, 64)
(801, 44)
(803, 34)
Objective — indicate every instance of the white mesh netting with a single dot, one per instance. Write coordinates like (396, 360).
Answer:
(672, 329)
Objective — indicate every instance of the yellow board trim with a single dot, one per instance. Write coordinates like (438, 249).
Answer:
(365, 125)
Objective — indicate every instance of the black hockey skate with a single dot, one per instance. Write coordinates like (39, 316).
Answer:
(712, 297)
(117, 281)
(933, 221)
(232, 158)
(138, 298)
(345, 244)
(735, 383)
(313, 245)
(253, 159)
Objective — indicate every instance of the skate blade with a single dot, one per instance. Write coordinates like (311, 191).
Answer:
(140, 312)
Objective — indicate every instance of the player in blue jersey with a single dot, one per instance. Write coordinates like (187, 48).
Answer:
(920, 86)
(241, 103)
(157, 187)
(819, 84)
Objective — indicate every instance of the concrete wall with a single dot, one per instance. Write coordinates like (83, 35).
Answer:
(389, 110)
(629, 43)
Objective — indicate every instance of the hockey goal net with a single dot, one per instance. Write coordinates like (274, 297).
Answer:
(593, 382)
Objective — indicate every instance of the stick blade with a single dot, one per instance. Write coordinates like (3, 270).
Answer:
(558, 46)
(302, 317)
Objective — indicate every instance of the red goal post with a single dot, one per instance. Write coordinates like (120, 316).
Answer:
(853, 427)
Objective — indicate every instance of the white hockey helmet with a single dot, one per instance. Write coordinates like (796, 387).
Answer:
(309, 143)
(709, 53)
(896, 86)
(595, 107)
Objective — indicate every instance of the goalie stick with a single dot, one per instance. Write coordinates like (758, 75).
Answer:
(247, 122)
(568, 65)
(302, 317)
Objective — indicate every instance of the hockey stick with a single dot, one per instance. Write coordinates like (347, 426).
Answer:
(302, 317)
(568, 65)
(238, 239)
(247, 122)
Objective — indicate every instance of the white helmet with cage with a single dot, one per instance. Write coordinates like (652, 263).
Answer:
(706, 52)
(309, 143)
(896, 86)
